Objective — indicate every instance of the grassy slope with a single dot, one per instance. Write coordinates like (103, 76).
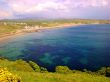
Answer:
(23, 69)
(6, 29)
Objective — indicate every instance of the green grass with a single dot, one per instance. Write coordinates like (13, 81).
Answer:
(6, 29)
(55, 77)
(17, 65)
(27, 74)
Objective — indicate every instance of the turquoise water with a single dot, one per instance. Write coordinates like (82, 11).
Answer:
(86, 46)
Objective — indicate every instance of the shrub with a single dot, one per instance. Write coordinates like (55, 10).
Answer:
(34, 66)
(104, 71)
(43, 70)
(2, 58)
(21, 65)
(90, 72)
(108, 72)
(6, 76)
(63, 69)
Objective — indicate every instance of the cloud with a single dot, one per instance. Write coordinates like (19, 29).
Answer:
(5, 14)
(87, 3)
(29, 7)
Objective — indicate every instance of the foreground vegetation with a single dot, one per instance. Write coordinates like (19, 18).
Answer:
(6, 76)
(31, 72)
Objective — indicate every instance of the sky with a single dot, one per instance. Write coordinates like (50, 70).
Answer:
(55, 9)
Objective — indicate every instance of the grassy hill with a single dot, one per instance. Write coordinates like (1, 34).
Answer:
(9, 29)
(28, 74)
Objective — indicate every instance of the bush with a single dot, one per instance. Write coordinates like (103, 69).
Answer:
(6, 76)
(21, 65)
(63, 69)
(90, 72)
(108, 72)
(2, 58)
(104, 71)
(43, 70)
(35, 66)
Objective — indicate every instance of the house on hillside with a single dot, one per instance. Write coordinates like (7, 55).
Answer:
(31, 28)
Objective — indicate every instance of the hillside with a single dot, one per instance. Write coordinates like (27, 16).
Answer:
(8, 27)
(27, 73)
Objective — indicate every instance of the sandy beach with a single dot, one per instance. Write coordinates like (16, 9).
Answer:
(6, 37)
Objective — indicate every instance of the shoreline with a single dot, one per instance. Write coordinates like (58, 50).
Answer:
(8, 36)
(5, 37)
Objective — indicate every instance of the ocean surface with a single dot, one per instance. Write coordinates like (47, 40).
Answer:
(79, 47)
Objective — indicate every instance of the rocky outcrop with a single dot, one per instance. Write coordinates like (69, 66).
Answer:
(6, 76)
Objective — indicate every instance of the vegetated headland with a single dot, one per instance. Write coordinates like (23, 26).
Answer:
(8, 28)
(22, 71)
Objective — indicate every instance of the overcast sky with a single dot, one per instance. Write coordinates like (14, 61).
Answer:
(93, 9)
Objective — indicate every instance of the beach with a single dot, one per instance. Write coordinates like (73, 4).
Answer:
(7, 36)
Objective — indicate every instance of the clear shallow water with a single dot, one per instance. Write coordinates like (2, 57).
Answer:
(86, 46)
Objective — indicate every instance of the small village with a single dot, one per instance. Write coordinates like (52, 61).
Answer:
(25, 26)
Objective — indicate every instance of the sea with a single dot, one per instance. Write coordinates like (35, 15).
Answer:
(78, 47)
